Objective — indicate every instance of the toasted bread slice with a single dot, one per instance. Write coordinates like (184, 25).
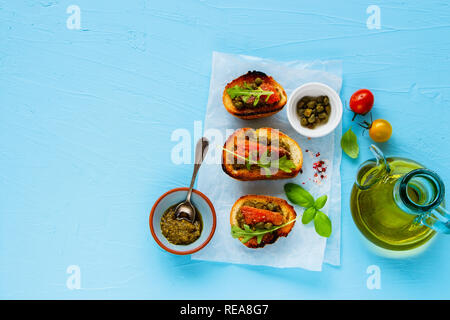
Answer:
(262, 111)
(264, 134)
(287, 211)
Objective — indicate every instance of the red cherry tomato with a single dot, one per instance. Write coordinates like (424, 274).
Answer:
(361, 101)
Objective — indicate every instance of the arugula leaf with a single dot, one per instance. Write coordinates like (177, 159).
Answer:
(308, 215)
(265, 162)
(267, 171)
(298, 195)
(322, 224)
(349, 144)
(259, 238)
(252, 158)
(303, 198)
(247, 233)
(284, 164)
(246, 92)
(237, 232)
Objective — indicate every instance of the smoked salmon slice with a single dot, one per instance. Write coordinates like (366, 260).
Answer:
(250, 146)
(254, 215)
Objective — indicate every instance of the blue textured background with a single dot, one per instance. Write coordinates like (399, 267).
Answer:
(86, 117)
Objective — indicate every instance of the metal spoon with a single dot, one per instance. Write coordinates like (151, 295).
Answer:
(186, 210)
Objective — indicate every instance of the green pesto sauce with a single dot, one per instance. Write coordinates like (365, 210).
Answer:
(180, 232)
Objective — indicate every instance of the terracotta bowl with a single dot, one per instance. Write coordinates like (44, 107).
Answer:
(203, 205)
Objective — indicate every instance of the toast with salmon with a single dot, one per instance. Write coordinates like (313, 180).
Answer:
(262, 154)
(258, 220)
(254, 95)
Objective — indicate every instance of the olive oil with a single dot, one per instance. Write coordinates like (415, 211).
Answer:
(379, 218)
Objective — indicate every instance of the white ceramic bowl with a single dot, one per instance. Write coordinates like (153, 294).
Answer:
(204, 206)
(315, 89)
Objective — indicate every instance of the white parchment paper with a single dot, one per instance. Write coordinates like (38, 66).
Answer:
(303, 248)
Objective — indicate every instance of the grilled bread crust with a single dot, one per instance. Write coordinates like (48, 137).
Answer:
(249, 175)
(259, 112)
(288, 213)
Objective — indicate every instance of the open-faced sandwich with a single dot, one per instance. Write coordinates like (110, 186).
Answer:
(254, 95)
(261, 154)
(260, 220)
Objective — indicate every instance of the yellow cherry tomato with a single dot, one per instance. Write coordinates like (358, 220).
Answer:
(380, 130)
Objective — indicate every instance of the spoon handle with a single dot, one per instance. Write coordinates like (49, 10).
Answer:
(200, 152)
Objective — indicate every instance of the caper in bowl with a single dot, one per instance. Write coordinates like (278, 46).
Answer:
(314, 109)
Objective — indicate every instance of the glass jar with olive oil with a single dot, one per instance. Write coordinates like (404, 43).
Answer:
(397, 204)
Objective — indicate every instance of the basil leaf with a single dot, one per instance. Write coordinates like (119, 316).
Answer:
(322, 224)
(349, 144)
(320, 202)
(298, 195)
(308, 215)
